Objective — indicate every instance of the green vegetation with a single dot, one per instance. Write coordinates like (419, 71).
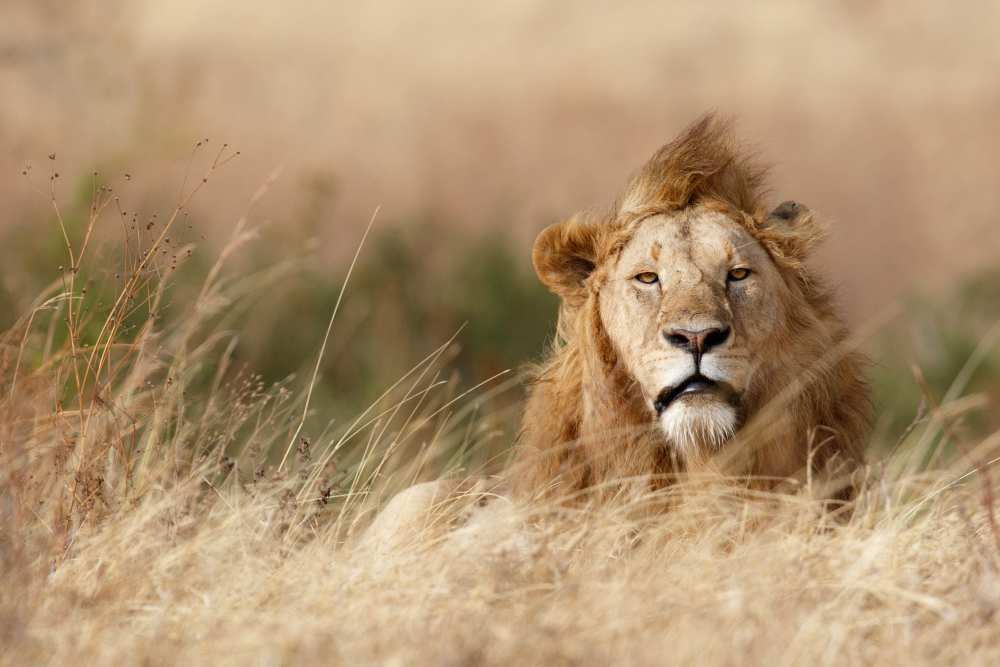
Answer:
(953, 343)
(414, 288)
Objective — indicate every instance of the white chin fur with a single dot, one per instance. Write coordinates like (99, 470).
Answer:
(698, 426)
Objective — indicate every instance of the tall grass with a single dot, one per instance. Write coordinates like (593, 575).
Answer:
(149, 513)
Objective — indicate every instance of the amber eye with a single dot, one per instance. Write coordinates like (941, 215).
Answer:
(647, 278)
(738, 274)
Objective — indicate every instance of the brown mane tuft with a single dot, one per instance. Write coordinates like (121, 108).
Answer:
(703, 164)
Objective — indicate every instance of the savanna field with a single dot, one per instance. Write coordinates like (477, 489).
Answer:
(220, 360)
(164, 503)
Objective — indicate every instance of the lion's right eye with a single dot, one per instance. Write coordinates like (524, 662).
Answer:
(647, 278)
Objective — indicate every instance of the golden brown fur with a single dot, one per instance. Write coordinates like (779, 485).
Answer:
(587, 423)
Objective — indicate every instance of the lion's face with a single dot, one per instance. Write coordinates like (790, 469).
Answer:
(691, 305)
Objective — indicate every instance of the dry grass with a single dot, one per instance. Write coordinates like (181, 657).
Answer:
(144, 518)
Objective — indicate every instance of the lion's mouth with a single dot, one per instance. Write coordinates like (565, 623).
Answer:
(696, 384)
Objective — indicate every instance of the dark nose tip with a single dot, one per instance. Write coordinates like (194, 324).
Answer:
(697, 342)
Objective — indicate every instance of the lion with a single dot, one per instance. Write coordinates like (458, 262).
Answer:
(691, 336)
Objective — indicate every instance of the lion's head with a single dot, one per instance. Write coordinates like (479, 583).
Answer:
(689, 322)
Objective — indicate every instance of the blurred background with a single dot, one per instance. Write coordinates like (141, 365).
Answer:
(474, 125)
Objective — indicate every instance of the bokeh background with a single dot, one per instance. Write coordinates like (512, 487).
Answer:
(473, 125)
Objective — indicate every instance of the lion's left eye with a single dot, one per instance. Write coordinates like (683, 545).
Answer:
(647, 278)
(738, 274)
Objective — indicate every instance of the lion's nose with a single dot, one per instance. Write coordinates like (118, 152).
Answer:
(697, 342)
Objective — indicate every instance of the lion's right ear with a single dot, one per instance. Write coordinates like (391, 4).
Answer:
(565, 254)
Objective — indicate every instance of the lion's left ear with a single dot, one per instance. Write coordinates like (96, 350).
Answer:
(565, 254)
(793, 229)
